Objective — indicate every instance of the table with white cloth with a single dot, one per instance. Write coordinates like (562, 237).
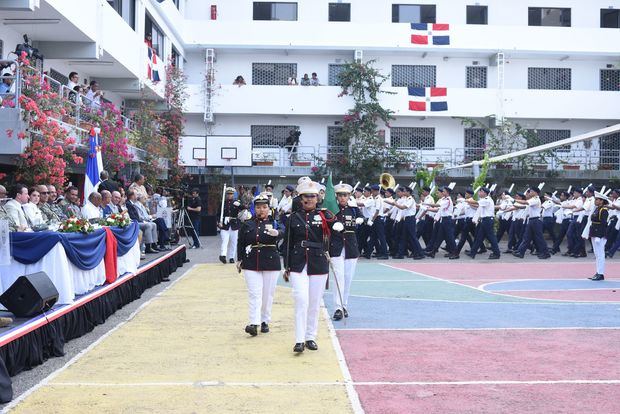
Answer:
(76, 263)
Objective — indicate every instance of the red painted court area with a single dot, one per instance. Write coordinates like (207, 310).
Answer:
(485, 371)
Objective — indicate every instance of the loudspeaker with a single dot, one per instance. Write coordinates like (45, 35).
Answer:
(30, 295)
(208, 225)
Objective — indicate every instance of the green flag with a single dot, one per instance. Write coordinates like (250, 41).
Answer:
(330, 202)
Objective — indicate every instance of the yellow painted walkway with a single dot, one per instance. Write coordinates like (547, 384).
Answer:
(186, 352)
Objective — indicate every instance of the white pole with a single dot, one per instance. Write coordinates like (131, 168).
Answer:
(222, 210)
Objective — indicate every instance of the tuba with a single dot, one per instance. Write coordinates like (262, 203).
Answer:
(387, 181)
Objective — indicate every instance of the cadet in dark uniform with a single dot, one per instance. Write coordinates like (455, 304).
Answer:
(343, 249)
(229, 226)
(306, 265)
(598, 233)
(258, 256)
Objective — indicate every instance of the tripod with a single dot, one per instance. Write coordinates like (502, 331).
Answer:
(185, 222)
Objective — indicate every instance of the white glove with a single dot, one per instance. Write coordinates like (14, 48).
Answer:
(359, 220)
(338, 226)
(352, 203)
(272, 232)
(226, 220)
(369, 223)
(236, 203)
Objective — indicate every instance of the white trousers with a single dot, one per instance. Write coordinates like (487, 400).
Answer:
(344, 269)
(598, 245)
(307, 294)
(229, 243)
(261, 287)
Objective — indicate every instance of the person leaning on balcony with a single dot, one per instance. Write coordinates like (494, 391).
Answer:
(239, 81)
(314, 81)
(292, 81)
(305, 81)
(73, 81)
(94, 94)
(7, 83)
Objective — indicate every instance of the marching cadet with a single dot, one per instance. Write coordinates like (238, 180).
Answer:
(504, 217)
(425, 230)
(598, 233)
(515, 234)
(533, 230)
(229, 226)
(408, 235)
(486, 213)
(377, 225)
(285, 205)
(296, 203)
(343, 249)
(548, 215)
(443, 210)
(468, 230)
(367, 205)
(258, 256)
(306, 265)
(391, 232)
(563, 218)
(614, 209)
(273, 201)
(573, 228)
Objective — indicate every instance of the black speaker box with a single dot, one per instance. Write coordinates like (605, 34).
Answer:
(208, 225)
(30, 295)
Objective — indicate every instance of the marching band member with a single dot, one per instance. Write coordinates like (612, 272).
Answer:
(306, 264)
(562, 217)
(377, 224)
(598, 233)
(343, 249)
(367, 205)
(229, 227)
(486, 212)
(258, 256)
(533, 230)
(443, 210)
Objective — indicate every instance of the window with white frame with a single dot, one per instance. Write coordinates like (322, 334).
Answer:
(412, 137)
(414, 75)
(548, 136)
(610, 79)
(549, 16)
(476, 77)
(271, 135)
(273, 73)
(549, 78)
(157, 36)
(271, 10)
(414, 13)
(610, 18)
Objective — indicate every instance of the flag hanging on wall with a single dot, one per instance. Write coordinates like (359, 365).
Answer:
(430, 34)
(428, 99)
(152, 67)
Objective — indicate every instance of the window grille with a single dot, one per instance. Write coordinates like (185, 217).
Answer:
(270, 135)
(547, 136)
(1, 49)
(476, 77)
(59, 77)
(414, 75)
(475, 139)
(549, 78)
(412, 137)
(610, 151)
(273, 73)
(334, 71)
(610, 79)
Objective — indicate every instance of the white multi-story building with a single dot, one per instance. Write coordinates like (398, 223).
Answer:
(552, 66)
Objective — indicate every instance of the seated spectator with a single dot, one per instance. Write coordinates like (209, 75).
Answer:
(13, 207)
(32, 210)
(315, 80)
(73, 81)
(92, 209)
(305, 81)
(49, 214)
(149, 229)
(54, 203)
(292, 81)
(106, 200)
(163, 233)
(2, 194)
(113, 206)
(239, 81)
(70, 204)
(94, 95)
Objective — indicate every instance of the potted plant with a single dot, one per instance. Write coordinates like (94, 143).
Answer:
(264, 160)
(571, 167)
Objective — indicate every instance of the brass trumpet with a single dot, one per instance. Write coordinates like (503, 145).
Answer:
(387, 181)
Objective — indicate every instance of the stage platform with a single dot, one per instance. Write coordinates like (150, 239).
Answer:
(29, 342)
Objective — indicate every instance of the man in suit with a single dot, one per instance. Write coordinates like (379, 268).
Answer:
(14, 207)
(106, 183)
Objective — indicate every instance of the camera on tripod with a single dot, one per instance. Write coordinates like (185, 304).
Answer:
(28, 49)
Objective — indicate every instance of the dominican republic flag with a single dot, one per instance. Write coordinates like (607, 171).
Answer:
(94, 165)
(152, 67)
(430, 34)
(428, 99)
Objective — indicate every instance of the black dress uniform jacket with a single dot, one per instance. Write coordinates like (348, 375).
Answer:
(598, 226)
(303, 242)
(346, 239)
(231, 211)
(264, 253)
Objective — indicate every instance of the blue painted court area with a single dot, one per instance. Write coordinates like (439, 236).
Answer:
(388, 298)
(555, 284)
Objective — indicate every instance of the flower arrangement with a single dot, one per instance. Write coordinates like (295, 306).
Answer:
(75, 225)
(117, 220)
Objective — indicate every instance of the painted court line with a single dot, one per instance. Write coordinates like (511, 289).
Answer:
(534, 300)
(559, 328)
(525, 301)
(335, 383)
(356, 405)
(83, 352)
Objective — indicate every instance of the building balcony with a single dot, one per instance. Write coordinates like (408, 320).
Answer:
(462, 102)
(396, 37)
